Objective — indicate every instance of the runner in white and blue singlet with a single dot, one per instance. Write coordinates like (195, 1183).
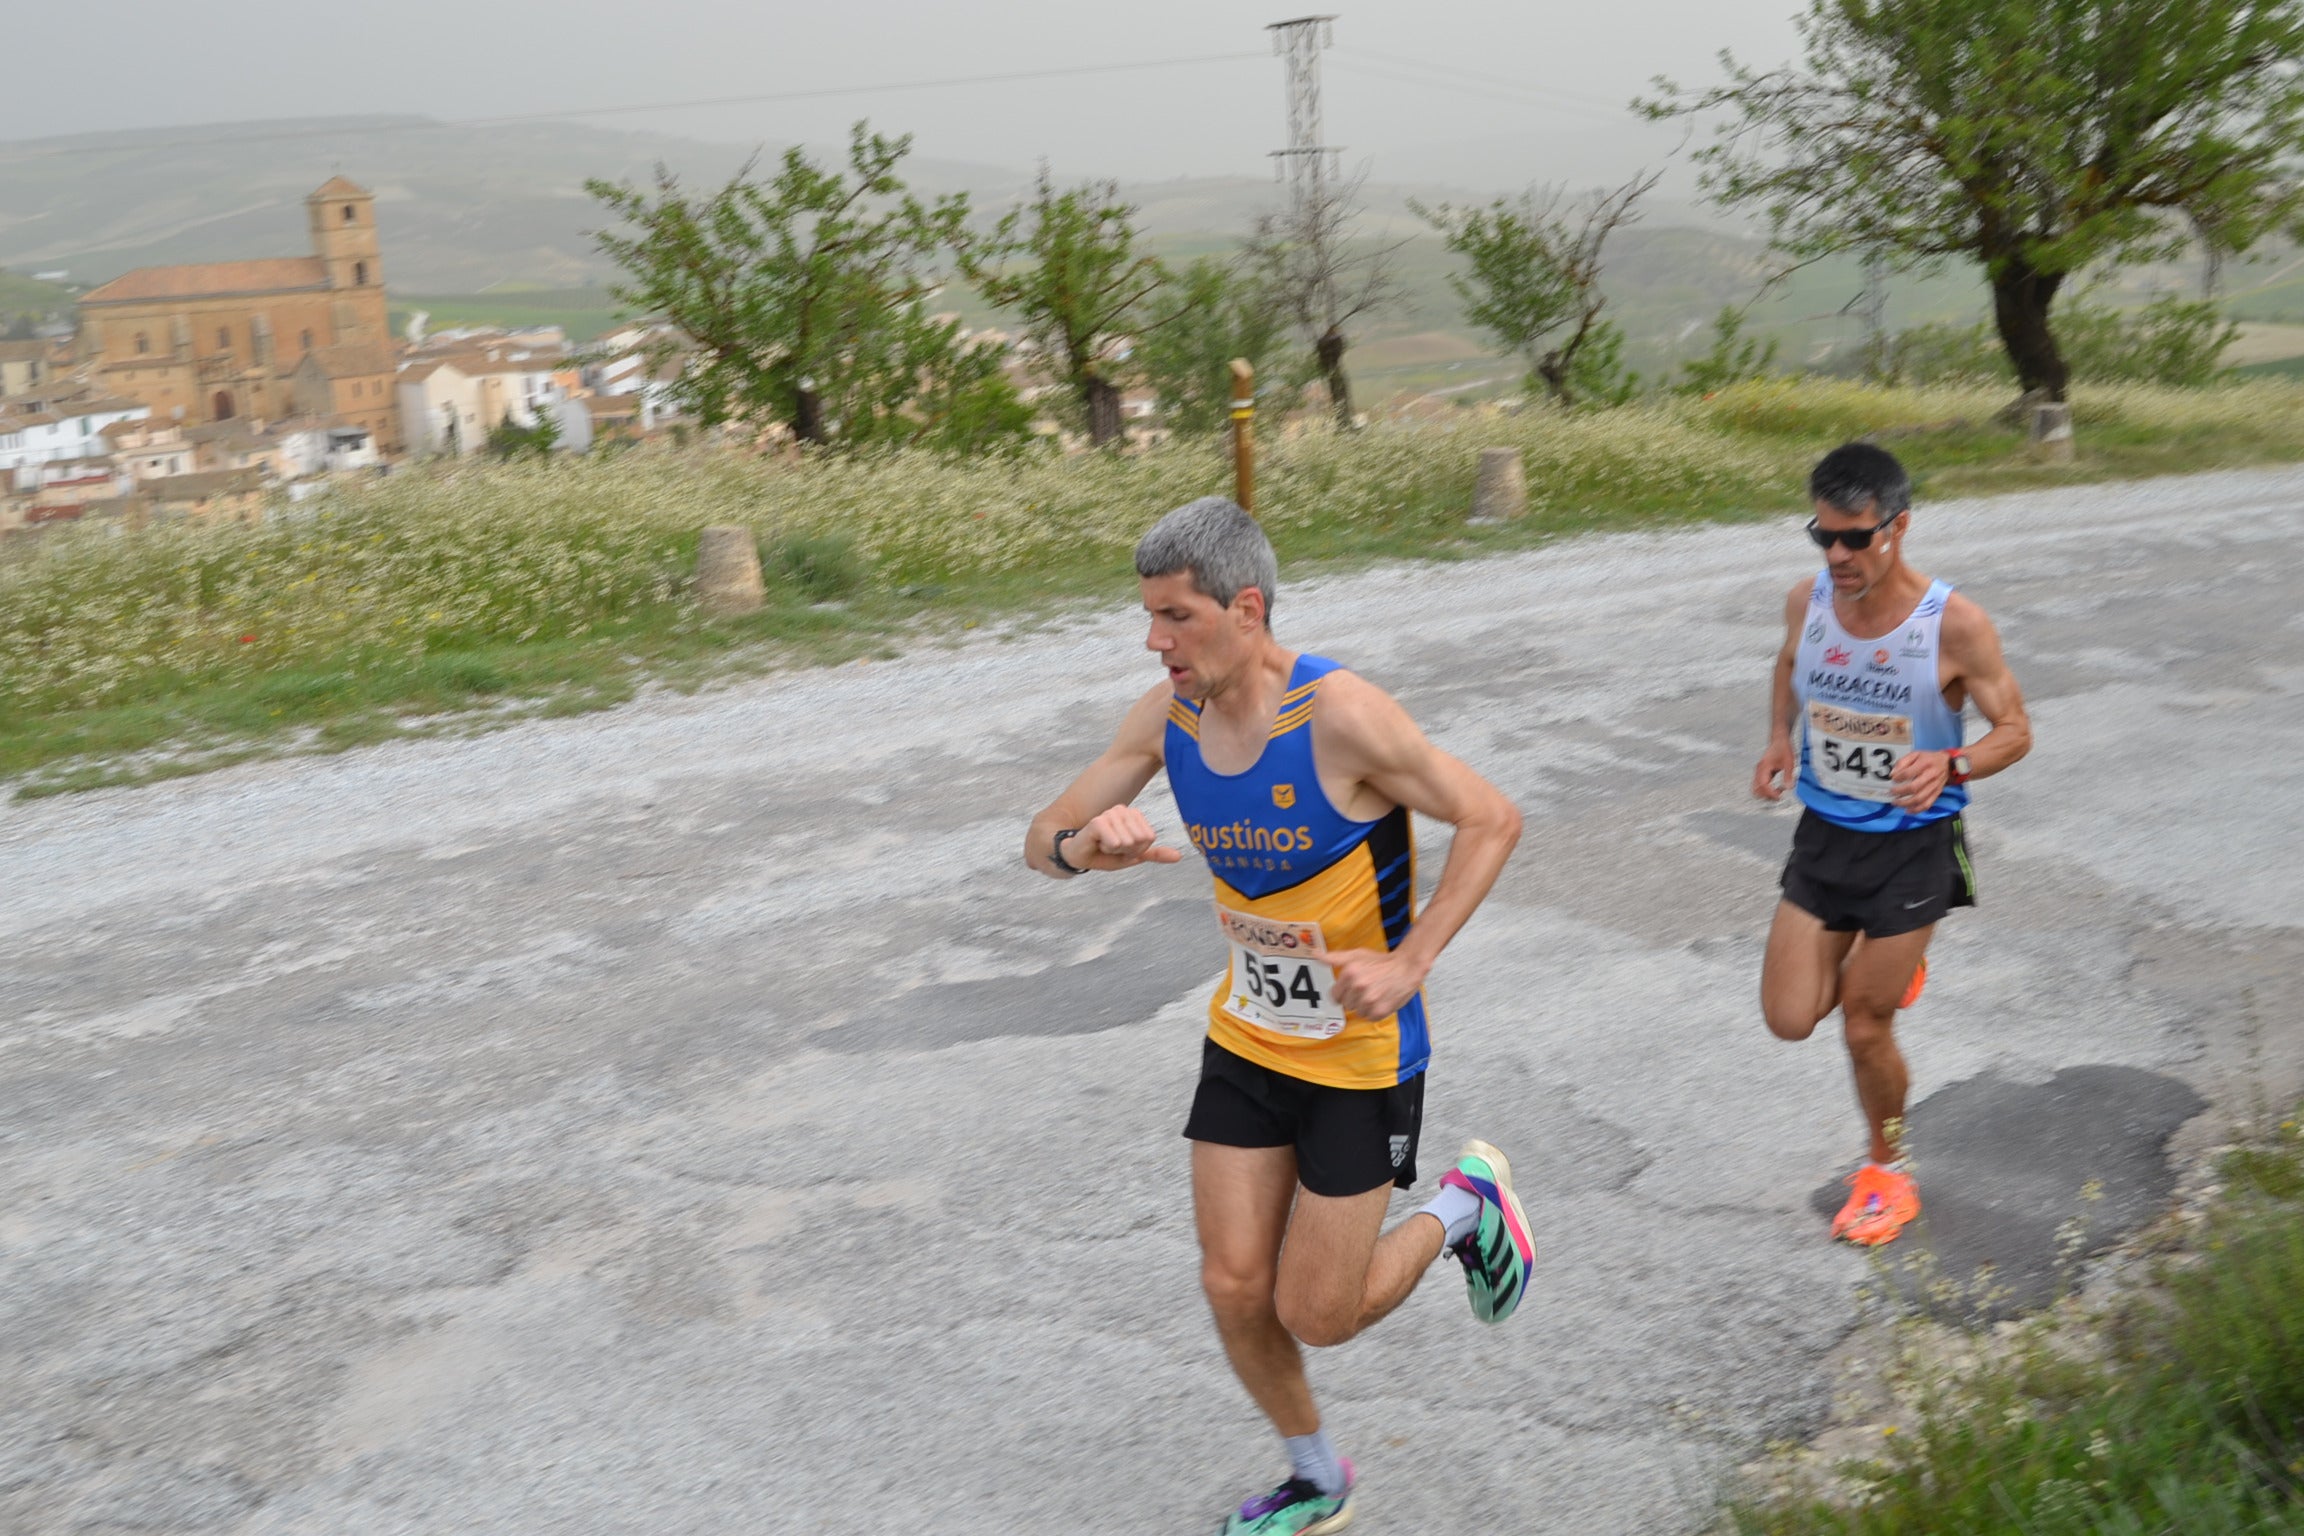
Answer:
(1865, 720)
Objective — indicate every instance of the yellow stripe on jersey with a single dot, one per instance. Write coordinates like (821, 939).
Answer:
(1184, 719)
(1342, 900)
(1290, 719)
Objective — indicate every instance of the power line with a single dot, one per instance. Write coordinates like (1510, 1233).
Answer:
(620, 109)
(1478, 88)
(1494, 86)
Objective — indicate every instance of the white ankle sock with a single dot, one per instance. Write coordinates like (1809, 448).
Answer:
(1314, 1460)
(1457, 1209)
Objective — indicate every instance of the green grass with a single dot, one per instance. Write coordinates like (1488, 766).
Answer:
(584, 312)
(2190, 1420)
(452, 597)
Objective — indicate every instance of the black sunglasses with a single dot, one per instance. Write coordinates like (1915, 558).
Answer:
(1854, 538)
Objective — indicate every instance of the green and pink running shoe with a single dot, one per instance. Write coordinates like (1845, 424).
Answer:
(1498, 1253)
(1295, 1508)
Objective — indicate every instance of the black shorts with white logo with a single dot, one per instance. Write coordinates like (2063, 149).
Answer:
(1878, 883)
(1348, 1140)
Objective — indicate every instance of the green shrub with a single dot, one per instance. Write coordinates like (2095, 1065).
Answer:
(823, 566)
(2176, 342)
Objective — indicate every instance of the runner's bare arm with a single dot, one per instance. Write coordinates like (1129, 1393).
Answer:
(1971, 651)
(1112, 833)
(1780, 760)
(1377, 746)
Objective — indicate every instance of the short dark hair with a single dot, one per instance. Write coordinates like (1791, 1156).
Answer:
(1861, 477)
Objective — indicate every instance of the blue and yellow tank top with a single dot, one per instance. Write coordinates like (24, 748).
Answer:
(1293, 874)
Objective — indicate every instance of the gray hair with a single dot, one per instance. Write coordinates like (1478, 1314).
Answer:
(1222, 546)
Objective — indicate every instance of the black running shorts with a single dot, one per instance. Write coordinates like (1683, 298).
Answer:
(1348, 1140)
(1878, 883)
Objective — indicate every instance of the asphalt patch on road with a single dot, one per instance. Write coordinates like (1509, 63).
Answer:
(2020, 1181)
(1763, 834)
(1170, 947)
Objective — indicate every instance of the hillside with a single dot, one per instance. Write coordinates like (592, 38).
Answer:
(491, 224)
(22, 297)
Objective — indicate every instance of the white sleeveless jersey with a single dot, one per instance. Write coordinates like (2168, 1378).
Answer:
(1864, 704)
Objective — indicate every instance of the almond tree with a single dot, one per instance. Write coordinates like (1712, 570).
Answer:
(806, 298)
(1313, 265)
(1075, 279)
(2037, 138)
(1534, 279)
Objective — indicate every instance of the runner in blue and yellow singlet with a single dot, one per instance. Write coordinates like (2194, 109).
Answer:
(1878, 662)
(1297, 780)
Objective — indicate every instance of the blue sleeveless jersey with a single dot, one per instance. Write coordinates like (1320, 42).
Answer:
(1292, 873)
(1863, 705)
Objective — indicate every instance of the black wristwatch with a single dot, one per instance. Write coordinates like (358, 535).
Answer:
(1056, 852)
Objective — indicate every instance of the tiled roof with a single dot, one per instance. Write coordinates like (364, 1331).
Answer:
(268, 274)
(128, 426)
(337, 186)
(31, 351)
(208, 482)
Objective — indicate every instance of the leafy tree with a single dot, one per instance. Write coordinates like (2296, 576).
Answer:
(1734, 357)
(1079, 285)
(806, 297)
(1212, 312)
(1534, 282)
(2035, 137)
(509, 440)
(1322, 277)
(2168, 341)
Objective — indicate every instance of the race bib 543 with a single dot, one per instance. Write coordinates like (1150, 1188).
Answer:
(1854, 754)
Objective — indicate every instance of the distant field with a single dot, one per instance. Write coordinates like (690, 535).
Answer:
(584, 312)
(24, 295)
(2279, 368)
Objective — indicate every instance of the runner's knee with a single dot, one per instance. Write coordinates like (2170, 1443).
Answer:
(1318, 1323)
(1869, 1025)
(1788, 1019)
(1236, 1289)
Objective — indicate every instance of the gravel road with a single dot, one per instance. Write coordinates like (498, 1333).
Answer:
(692, 1118)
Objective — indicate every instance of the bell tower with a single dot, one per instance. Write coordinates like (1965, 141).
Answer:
(342, 214)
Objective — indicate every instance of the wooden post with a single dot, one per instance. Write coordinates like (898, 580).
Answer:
(1244, 434)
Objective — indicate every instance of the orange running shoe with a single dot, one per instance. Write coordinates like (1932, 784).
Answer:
(1919, 980)
(1880, 1202)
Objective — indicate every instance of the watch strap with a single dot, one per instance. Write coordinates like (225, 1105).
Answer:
(1056, 852)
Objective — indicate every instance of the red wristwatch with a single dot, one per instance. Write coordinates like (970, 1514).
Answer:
(1956, 769)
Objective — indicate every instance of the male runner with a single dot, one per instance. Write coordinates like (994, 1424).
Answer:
(1295, 779)
(1877, 662)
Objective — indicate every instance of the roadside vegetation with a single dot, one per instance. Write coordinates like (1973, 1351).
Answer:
(442, 597)
(2182, 1413)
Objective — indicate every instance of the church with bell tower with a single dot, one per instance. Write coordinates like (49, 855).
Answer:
(262, 340)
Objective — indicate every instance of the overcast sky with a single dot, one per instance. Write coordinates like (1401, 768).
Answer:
(1480, 92)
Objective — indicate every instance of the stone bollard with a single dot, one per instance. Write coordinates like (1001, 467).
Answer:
(2052, 433)
(1502, 490)
(728, 572)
